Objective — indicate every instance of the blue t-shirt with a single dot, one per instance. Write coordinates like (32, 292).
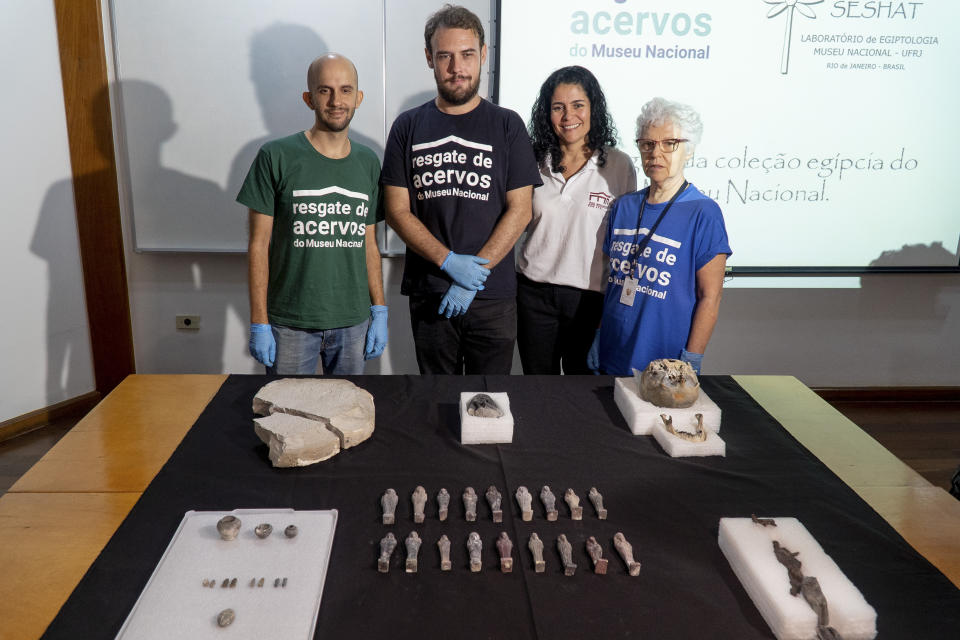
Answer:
(458, 170)
(658, 323)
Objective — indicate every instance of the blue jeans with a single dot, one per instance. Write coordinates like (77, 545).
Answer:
(298, 350)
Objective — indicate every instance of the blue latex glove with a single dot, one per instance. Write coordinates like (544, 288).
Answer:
(593, 355)
(376, 332)
(456, 301)
(695, 359)
(466, 270)
(263, 346)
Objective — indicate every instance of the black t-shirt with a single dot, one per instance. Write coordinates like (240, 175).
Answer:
(458, 169)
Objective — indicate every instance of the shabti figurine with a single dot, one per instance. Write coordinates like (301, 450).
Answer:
(573, 501)
(470, 504)
(494, 500)
(536, 549)
(595, 551)
(444, 545)
(699, 436)
(597, 501)
(474, 546)
(387, 544)
(443, 504)
(413, 542)
(549, 502)
(525, 500)
(419, 500)
(483, 406)
(763, 522)
(228, 527)
(566, 555)
(505, 548)
(389, 503)
(625, 549)
(668, 383)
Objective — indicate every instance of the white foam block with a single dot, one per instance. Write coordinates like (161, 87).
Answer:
(643, 416)
(474, 430)
(748, 548)
(680, 448)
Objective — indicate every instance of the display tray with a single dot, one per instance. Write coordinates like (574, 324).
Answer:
(176, 604)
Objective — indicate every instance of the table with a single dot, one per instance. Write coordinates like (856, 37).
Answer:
(60, 515)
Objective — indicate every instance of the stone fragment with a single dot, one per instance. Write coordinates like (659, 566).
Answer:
(444, 545)
(597, 501)
(443, 504)
(413, 543)
(225, 583)
(253, 582)
(470, 504)
(549, 502)
(419, 499)
(505, 548)
(566, 555)
(291, 531)
(625, 549)
(259, 583)
(573, 501)
(595, 551)
(233, 583)
(263, 530)
(763, 522)
(525, 500)
(483, 406)
(228, 527)
(495, 500)
(283, 583)
(226, 617)
(387, 544)
(276, 582)
(388, 502)
(333, 415)
(206, 582)
(668, 383)
(536, 549)
(475, 547)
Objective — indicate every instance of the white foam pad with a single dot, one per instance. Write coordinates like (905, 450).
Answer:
(748, 548)
(680, 448)
(643, 416)
(475, 430)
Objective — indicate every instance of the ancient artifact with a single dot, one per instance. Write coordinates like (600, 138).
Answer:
(444, 544)
(668, 383)
(260, 583)
(387, 544)
(474, 547)
(483, 406)
(809, 588)
(699, 436)
(525, 500)
(765, 522)
(573, 501)
(276, 582)
(291, 531)
(811, 592)
(413, 543)
(566, 555)
(789, 559)
(389, 504)
(470, 504)
(419, 499)
(536, 549)
(263, 530)
(443, 504)
(253, 582)
(494, 500)
(225, 618)
(597, 501)
(307, 420)
(595, 551)
(549, 502)
(225, 583)
(283, 583)
(625, 549)
(505, 548)
(233, 583)
(229, 527)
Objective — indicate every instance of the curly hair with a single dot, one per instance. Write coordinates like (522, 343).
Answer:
(602, 132)
(452, 17)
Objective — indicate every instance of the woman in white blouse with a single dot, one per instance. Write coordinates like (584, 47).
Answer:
(562, 275)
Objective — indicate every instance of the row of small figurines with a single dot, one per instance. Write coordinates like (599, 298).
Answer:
(229, 527)
(230, 583)
(524, 498)
(505, 549)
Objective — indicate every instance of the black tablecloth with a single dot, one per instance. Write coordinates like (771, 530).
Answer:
(568, 433)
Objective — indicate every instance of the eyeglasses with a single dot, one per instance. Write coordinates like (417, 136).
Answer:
(667, 146)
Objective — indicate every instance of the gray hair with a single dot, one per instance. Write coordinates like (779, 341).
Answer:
(660, 111)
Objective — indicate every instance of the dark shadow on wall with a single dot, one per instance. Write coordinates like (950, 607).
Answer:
(917, 297)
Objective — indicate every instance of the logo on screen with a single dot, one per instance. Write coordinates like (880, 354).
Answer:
(789, 7)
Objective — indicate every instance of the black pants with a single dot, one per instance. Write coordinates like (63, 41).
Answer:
(479, 342)
(555, 326)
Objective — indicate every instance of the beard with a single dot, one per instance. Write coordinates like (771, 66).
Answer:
(459, 96)
(335, 125)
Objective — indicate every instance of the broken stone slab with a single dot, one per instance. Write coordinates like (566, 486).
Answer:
(307, 420)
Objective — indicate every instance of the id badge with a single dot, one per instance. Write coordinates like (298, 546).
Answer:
(629, 291)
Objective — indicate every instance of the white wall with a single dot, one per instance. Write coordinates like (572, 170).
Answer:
(44, 341)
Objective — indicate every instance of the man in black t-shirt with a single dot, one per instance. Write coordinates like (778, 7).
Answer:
(458, 177)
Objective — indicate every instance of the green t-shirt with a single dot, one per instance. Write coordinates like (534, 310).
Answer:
(321, 208)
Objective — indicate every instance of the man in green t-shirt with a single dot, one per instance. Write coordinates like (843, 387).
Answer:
(316, 289)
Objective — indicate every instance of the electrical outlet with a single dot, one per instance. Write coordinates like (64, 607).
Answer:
(188, 322)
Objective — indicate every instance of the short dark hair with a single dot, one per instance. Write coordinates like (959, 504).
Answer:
(452, 17)
(602, 132)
